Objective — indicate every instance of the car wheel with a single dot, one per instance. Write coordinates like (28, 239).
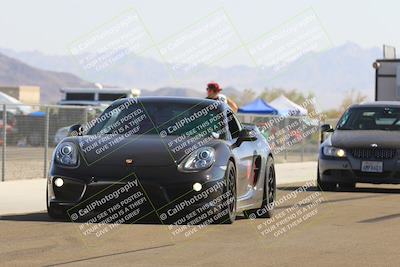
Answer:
(347, 186)
(324, 186)
(271, 190)
(269, 193)
(53, 212)
(230, 190)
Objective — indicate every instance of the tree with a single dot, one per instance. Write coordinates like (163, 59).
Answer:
(245, 97)
(352, 97)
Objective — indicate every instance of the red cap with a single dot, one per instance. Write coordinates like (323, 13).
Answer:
(214, 86)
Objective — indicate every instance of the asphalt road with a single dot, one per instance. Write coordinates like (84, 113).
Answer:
(310, 228)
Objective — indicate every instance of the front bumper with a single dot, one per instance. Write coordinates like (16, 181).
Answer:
(348, 170)
(163, 190)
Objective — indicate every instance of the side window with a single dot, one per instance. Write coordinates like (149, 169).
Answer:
(233, 125)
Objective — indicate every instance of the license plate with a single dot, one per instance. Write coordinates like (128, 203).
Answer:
(372, 166)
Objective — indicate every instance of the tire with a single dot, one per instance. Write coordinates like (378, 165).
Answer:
(54, 213)
(230, 210)
(347, 186)
(324, 186)
(269, 194)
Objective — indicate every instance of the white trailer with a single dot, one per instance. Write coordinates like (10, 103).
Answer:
(387, 76)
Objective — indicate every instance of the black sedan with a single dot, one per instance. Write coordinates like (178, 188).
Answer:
(364, 147)
(180, 160)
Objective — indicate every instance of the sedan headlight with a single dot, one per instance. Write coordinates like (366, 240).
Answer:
(66, 154)
(199, 159)
(331, 151)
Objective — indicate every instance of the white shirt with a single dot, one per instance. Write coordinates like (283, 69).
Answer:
(222, 98)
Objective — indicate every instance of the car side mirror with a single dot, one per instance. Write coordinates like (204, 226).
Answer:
(75, 130)
(216, 135)
(247, 135)
(326, 128)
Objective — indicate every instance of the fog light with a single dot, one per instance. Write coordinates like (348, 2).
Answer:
(197, 187)
(59, 182)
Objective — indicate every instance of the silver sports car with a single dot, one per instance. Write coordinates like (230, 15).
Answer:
(186, 160)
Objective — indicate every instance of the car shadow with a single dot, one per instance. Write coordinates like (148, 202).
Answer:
(27, 217)
(378, 192)
(43, 217)
(355, 190)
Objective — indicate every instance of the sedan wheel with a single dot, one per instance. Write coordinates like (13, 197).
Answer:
(324, 186)
(347, 186)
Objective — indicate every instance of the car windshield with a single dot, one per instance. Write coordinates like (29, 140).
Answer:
(371, 118)
(166, 118)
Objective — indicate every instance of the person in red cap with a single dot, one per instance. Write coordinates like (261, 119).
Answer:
(214, 92)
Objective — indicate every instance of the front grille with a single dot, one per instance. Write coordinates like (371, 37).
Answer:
(373, 153)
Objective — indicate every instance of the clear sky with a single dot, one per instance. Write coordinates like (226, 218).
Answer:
(50, 25)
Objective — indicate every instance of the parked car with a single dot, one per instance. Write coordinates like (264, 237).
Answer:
(220, 150)
(61, 134)
(11, 131)
(363, 148)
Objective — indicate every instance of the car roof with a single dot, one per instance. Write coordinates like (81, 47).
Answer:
(382, 104)
(172, 99)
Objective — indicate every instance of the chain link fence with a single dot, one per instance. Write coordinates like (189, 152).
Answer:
(291, 138)
(29, 134)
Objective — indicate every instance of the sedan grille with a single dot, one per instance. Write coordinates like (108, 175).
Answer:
(373, 153)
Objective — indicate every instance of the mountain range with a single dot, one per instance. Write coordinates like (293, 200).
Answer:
(13, 72)
(329, 74)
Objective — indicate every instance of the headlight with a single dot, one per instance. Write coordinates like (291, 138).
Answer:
(331, 151)
(66, 154)
(199, 159)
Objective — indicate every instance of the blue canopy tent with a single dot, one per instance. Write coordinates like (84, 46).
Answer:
(259, 107)
(37, 114)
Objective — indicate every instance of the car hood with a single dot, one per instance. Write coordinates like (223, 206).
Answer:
(365, 138)
(144, 150)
